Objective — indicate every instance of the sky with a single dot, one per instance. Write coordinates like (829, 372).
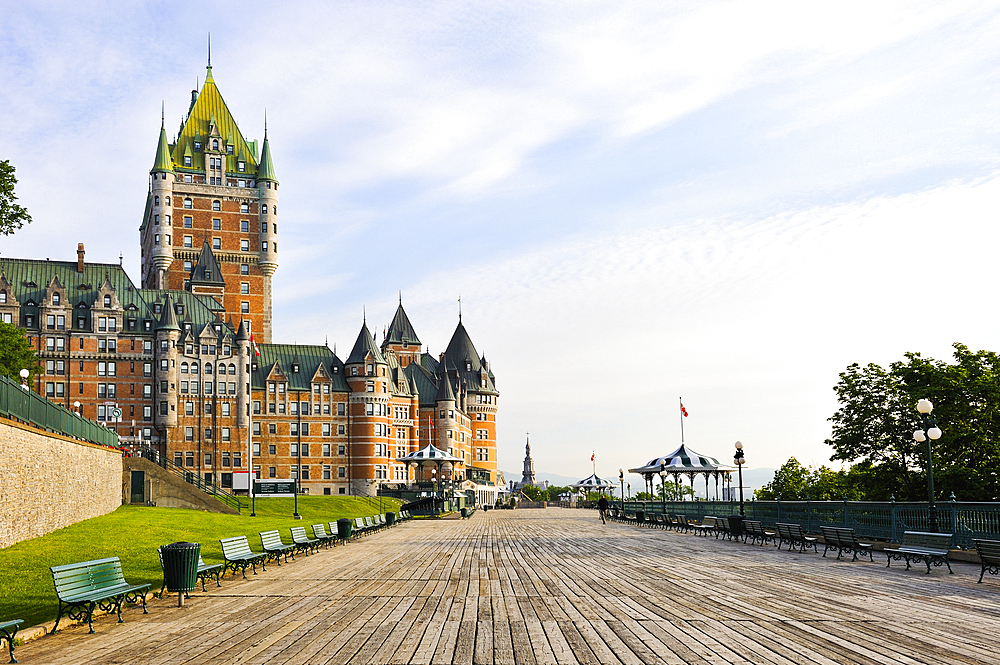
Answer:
(636, 202)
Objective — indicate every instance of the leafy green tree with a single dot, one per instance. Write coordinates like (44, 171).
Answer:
(534, 493)
(16, 354)
(874, 426)
(643, 496)
(794, 482)
(12, 216)
(555, 490)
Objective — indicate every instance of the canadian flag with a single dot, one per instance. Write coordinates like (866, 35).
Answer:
(592, 455)
(256, 351)
(683, 410)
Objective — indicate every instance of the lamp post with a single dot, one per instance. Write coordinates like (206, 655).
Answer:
(24, 378)
(739, 460)
(621, 481)
(628, 486)
(928, 431)
(663, 490)
(76, 406)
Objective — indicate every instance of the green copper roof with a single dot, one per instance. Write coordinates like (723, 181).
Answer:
(364, 346)
(209, 107)
(401, 330)
(192, 310)
(168, 321)
(207, 270)
(266, 170)
(163, 161)
(307, 357)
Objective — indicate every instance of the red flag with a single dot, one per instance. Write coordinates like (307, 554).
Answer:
(256, 351)
(592, 457)
(683, 410)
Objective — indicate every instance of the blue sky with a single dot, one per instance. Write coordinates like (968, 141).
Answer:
(728, 202)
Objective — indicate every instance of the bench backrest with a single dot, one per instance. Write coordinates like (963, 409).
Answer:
(709, 521)
(320, 531)
(271, 540)
(299, 534)
(790, 530)
(359, 523)
(933, 541)
(237, 547)
(381, 518)
(368, 522)
(76, 578)
(989, 551)
(334, 529)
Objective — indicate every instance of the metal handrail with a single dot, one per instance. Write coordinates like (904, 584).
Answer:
(190, 477)
(23, 405)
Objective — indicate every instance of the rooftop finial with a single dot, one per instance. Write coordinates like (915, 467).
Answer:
(265, 123)
(401, 297)
(210, 50)
(459, 307)
(163, 114)
(364, 315)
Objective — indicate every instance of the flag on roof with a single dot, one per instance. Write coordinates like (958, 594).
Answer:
(683, 410)
(256, 351)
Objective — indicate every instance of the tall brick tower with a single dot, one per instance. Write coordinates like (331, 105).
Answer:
(212, 192)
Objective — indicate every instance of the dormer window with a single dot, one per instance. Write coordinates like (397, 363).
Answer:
(55, 298)
(3, 297)
(295, 368)
(468, 366)
(107, 301)
(208, 274)
(157, 308)
(197, 145)
(215, 144)
(229, 149)
(187, 160)
(241, 166)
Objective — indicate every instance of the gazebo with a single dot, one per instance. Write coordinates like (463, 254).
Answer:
(431, 456)
(684, 462)
(592, 483)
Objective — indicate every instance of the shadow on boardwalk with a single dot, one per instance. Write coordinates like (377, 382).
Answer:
(555, 586)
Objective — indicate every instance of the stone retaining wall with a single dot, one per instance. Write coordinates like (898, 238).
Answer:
(48, 481)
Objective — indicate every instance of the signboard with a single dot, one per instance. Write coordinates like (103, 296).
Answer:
(241, 480)
(274, 488)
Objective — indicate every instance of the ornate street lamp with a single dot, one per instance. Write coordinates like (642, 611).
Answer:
(621, 481)
(24, 378)
(739, 461)
(928, 431)
(663, 489)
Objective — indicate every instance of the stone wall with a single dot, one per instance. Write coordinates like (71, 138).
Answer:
(48, 481)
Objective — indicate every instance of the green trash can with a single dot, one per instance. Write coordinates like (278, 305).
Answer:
(180, 568)
(390, 519)
(640, 516)
(465, 513)
(344, 529)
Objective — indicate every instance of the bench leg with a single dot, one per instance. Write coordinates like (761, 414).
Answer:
(982, 573)
(10, 636)
(90, 616)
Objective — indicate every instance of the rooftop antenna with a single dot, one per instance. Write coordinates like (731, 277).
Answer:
(120, 258)
(400, 296)
(364, 315)
(163, 114)
(459, 307)
(210, 50)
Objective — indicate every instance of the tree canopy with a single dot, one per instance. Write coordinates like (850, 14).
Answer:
(15, 353)
(794, 482)
(873, 428)
(12, 216)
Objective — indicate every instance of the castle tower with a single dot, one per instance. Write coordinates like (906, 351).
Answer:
(212, 187)
(366, 371)
(402, 338)
(167, 333)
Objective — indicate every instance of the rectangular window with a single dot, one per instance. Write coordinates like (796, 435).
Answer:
(225, 434)
(272, 449)
(187, 220)
(244, 307)
(341, 472)
(326, 472)
(216, 243)
(245, 288)
(293, 430)
(256, 429)
(305, 446)
(293, 450)
(217, 224)
(188, 242)
(326, 432)
(341, 450)
(244, 245)
(272, 472)
(340, 430)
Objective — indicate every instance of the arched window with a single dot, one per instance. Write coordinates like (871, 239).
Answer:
(216, 206)
(55, 298)
(166, 200)
(194, 368)
(215, 144)
(208, 368)
(184, 368)
(232, 368)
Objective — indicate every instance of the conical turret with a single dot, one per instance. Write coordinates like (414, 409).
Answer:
(163, 163)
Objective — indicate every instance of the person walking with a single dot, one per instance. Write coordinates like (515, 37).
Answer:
(602, 507)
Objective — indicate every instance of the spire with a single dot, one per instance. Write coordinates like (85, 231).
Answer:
(445, 392)
(459, 307)
(365, 346)
(209, 55)
(243, 334)
(401, 330)
(168, 320)
(265, 170)
(207, 270)
(163, 163)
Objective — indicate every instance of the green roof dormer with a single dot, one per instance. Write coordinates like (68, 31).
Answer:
(163, 163)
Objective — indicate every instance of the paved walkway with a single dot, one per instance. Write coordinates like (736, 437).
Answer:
(555, 586)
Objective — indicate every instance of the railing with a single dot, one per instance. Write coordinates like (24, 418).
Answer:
(191, 478)
(874, 520)
(17, 403)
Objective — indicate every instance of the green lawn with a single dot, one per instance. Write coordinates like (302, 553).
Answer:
(133, 533)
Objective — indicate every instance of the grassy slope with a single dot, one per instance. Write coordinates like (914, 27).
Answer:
(133, 533)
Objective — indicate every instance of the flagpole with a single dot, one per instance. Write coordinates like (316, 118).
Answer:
(680, 402)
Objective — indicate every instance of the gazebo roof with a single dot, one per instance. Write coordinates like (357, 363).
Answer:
(592, 482)
(682, 460)
(429, 454)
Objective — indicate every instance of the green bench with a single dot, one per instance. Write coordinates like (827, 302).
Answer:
(989, 556)
(319, 531)
(303, 543)
(238, 555)
(794, 535)
(334, 530)
(89, 585)
(842, 539)
(755, 531)
(274, 547)
(205, 570)
(360, 528)
(706, 526)
(931, 548)
(8, 631)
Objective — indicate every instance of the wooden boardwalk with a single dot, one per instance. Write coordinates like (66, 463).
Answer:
(555, 586)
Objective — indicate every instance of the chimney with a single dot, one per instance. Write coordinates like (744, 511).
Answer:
(79, 257)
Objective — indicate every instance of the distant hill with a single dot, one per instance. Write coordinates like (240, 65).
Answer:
(752, 479)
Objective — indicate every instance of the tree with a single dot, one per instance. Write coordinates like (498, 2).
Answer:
(12, 216)
(534, 493)
(16, 354)
(874, 425)
(794, 482)
(555, 490)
